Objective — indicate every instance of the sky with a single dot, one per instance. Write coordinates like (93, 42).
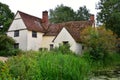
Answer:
(35, 7)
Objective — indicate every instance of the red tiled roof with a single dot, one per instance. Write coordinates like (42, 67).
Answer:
(35, 24)
(32, 23)
(73, 27)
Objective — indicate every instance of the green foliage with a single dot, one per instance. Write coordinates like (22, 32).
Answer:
(82, 14)
(61, 14)
(110, 14)
(63, 48)
(99, 42)
(50, 65)
(45, 66)
(6, 17)
(64, 13)
(6, 46)
(111, 63)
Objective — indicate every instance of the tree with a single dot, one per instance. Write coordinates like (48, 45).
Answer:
(99, 42)
(82, 14)
(6, 17)
(64, 13)
(61, 14)
(110, 14)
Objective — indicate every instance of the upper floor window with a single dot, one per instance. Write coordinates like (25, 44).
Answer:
(65, 42)
(16, 33)
(34, 34)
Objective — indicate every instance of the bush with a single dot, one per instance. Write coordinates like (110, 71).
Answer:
(6, 46)
(99, 42)
(63, 48)
(110, 62)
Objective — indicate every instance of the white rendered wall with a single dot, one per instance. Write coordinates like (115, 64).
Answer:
(21, 39)
(46, 41)
(64, 35)
(34, 43)
(18, 24)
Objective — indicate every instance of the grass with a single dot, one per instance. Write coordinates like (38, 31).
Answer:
(45, 66)
(54, 65)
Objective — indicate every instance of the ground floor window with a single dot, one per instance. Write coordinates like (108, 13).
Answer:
(83, 47)
(51, 46)
(43, 49)
(16, 45)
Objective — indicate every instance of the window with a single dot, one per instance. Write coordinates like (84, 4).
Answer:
(16, 45)
(43, 49)
(83, 47)
(66, 45)
(51, 46)
(34, 34)
(65, 42)
(16, 33)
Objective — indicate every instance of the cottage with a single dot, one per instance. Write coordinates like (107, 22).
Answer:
(33, 33)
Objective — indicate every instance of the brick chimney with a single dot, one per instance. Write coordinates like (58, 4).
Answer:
(92, 18)
(45, 17)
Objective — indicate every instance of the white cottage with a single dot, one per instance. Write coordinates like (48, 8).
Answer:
(33, 33)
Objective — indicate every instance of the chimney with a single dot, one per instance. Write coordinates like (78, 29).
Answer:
(92, 19)
(45, 17)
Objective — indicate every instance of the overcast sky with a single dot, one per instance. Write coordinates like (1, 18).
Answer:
(35, 7)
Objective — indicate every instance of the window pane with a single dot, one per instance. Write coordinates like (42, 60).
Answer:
(51, 46)
(65, 42)
(16, 45)
(34, 34)
(16, 33)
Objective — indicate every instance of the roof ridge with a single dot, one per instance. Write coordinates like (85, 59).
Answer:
(72, 21)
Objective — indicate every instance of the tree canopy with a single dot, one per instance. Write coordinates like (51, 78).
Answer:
(82, 14)
(6, 17)
(61, 14)
(110, 14)
(64, 13)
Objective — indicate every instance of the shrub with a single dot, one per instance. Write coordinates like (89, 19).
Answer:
(63, 48)
(110, 62)
(99, 42)
(6, 46)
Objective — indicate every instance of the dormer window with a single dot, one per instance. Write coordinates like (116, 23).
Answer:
(34, 34)
(16, 33)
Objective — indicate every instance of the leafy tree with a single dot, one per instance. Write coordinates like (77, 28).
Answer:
(61, 14)
(110, 14)
(6, 45)
(82, 14)
(6, 17)
(98, 41)
(64, 13)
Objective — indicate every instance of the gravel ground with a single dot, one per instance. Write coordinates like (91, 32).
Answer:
(3, 59)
